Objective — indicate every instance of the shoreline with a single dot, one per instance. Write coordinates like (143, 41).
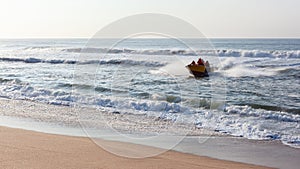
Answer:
(271, 154)
(29, 149)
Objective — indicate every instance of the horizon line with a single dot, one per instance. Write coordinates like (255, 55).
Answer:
(6, 38)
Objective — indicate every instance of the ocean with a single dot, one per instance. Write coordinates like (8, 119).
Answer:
(253, 92)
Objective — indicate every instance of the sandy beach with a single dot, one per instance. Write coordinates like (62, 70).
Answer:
(28, 149)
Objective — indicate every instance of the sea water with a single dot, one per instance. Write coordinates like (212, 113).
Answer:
(253, 91)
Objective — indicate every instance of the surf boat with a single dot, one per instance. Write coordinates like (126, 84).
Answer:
(198, 70)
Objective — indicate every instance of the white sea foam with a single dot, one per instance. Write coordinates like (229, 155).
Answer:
(235, 120)
(243, 70)
(249, 67)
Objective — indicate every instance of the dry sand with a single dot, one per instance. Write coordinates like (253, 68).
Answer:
(29, 149)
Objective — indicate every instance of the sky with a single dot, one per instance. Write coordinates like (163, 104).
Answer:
(214, 18)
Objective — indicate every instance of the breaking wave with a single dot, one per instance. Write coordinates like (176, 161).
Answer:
(100, 62)
(259, 54)
(225, 52)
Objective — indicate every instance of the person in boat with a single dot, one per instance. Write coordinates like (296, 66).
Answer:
(193, 63)
(200, 61)
(207, 64)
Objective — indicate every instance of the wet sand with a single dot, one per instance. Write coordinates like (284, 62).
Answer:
(29, 149)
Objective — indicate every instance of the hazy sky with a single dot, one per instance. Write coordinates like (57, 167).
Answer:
(214, 18)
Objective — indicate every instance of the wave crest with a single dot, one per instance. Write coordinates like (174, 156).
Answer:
(221, 53)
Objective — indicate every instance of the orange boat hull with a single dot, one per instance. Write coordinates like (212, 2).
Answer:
(198, 70)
